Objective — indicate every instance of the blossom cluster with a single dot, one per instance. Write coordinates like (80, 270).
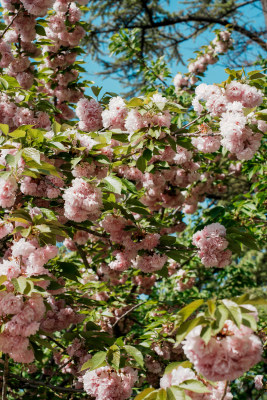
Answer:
(219, 45)
(226, 356)
(24, 321)
(229, 105)
(106, 384)
(212, 246)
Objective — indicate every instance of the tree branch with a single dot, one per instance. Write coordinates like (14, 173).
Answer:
(83, 256)
(128, 312)
(9, 25)
(5, 377)
(37, 384)
(225, 390)
(211, 20)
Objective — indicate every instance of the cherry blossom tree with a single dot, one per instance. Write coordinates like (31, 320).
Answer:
(132, 230)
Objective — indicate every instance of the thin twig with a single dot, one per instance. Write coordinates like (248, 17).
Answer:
(186, 261)
(59, 369)
(37, 384)
(5, 377)
(9, 25)
(83, 256)
(128, 312)
(195, 134)
(225, 390)
(95, 233)
(191, 123)
(55, 341)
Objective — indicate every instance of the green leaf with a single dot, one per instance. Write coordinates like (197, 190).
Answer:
(206, 333)
(96, 90)
(4, 83)
(76, 161)
(256, 75)
(135, 102)
(175, 393)
(113, 184)
(136, 354)
(19, 283)
(3, 278)
(56, 127)
(17, 134)
(144, 393)
(48, 169)
(176, 364)
(114, 356)
(137, 135)
(174, 254)
(96, 361)
(249, 320)
(161, 395)
(32, 154)
(102, 159)
(234, 311)
(140, 210)
(211, 307)
(249, 241)
(221, 315)
(12, 82)
(129, 185)
(186, 327)
(166, 240)
(4, 128)
(190, 308)
(147, 154)
(141, 164)
(10, 160)
(241, 299)
(40, 30)
(194, 386)
(174, 107)
(49, 214)
(258, 301)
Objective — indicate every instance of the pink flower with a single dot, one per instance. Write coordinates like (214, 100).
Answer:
(10, 268)
(84, 169)
(37, 7)
(206, 144)
(81, 237)
(234, 91)
(8, 190)
(149, 263)
(82, 201)
(114, 116)
(5, 229)
(22, 248)
(89, 112)
(180, 81)
(25, 79)
(224, 357)
(258, 382)
(10, 304)
(212, 246)
(18, 348)
(106, 384)
(6, 54)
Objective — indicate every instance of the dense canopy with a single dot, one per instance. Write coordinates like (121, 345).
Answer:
(132, 230)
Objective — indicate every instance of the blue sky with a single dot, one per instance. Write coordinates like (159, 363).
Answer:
(215, 73)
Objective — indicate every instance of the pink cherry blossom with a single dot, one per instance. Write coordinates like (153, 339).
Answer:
(106, 384)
